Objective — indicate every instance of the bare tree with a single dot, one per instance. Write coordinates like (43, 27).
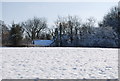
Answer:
(74, 25)
(34, 26)
(4, 34)
(68, 27)
(90, 22)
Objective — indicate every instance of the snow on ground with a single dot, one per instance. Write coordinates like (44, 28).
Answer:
(0, 64)
(59, 63)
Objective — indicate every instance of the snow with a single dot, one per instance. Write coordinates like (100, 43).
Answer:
(0, 64)
(59, 63)
(43, 42)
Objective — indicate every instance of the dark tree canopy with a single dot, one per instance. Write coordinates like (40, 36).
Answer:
(16, 34)
(112, 19)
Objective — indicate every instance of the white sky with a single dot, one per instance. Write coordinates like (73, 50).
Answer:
(59, 0)
(18, 10)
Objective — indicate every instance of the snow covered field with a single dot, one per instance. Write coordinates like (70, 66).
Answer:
(59, 63)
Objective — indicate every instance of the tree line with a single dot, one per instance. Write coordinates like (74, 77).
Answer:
(67, 31)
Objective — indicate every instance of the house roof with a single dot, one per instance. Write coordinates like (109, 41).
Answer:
(43, 42)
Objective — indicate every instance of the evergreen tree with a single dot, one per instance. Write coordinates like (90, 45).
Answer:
(112, 19)
(16, 34)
